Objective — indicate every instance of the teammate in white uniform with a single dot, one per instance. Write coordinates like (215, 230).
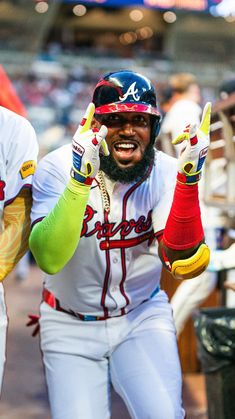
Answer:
(104, 318)
(183, 107)
(18, 153)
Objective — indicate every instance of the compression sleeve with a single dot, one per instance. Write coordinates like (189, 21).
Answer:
(15, 232)
(184, 229)
(54, 240)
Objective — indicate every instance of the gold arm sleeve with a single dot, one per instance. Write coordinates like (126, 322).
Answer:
(192, 266)
(15, 232)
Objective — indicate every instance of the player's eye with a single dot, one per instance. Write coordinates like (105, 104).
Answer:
(111, 120)
(116, 120)
(140, 120)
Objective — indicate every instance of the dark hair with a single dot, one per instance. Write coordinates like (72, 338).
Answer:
(226, 88)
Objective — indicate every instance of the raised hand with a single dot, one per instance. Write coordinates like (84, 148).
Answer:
(192, 158)
(86, 147)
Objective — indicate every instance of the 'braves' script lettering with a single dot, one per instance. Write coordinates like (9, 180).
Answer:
(108, 230)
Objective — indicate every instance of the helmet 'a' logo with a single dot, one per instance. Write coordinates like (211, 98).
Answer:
(132, 91)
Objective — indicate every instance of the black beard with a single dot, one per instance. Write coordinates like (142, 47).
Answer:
(131, 174)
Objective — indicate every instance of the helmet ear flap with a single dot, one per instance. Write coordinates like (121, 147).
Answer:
(155, 128)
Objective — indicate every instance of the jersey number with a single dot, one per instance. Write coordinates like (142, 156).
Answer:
(2, 186)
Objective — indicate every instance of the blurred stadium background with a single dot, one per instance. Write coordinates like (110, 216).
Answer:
(55, 50)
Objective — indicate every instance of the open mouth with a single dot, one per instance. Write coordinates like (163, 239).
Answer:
(125, 149)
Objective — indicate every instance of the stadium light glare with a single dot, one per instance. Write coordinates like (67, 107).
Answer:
(169, 17)
(79, 10)
(41, 7)
(136, 15)
(128, 38)
(144, 33)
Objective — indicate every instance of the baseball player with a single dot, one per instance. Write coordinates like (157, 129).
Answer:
(102, 210)
(18, 153)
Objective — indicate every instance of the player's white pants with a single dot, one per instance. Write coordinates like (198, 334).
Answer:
(3, 331)
(138, 353)
(189, 295)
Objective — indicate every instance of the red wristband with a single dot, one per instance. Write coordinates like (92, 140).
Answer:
(183, 228)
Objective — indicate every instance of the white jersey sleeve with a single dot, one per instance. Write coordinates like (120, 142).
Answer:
(18, 154)
(182, 113)
(165, 182)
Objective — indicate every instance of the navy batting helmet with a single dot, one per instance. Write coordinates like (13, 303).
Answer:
(127, 91)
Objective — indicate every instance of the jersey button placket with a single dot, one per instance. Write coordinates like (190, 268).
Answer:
(116, 275)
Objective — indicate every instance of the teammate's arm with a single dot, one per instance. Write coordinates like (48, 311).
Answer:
(15, 232)
(54, 240)
(182, 248)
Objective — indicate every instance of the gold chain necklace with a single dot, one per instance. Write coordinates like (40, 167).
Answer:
(103, 190)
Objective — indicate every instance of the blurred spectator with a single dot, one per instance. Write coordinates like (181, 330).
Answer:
(166, 99)
(183, 106)
(225, 259)
(227, 88)
(53, 97)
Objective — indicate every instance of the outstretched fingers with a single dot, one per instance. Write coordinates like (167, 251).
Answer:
(103, 131)
(182, 137)
(85, 124)
(101, 140)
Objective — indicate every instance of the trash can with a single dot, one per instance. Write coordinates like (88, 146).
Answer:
(215, 330)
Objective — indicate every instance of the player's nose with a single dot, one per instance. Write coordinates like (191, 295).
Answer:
(127, 129)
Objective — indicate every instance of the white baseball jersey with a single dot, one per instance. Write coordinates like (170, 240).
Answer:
(18, 154)
(116, 265)
(182, 113)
